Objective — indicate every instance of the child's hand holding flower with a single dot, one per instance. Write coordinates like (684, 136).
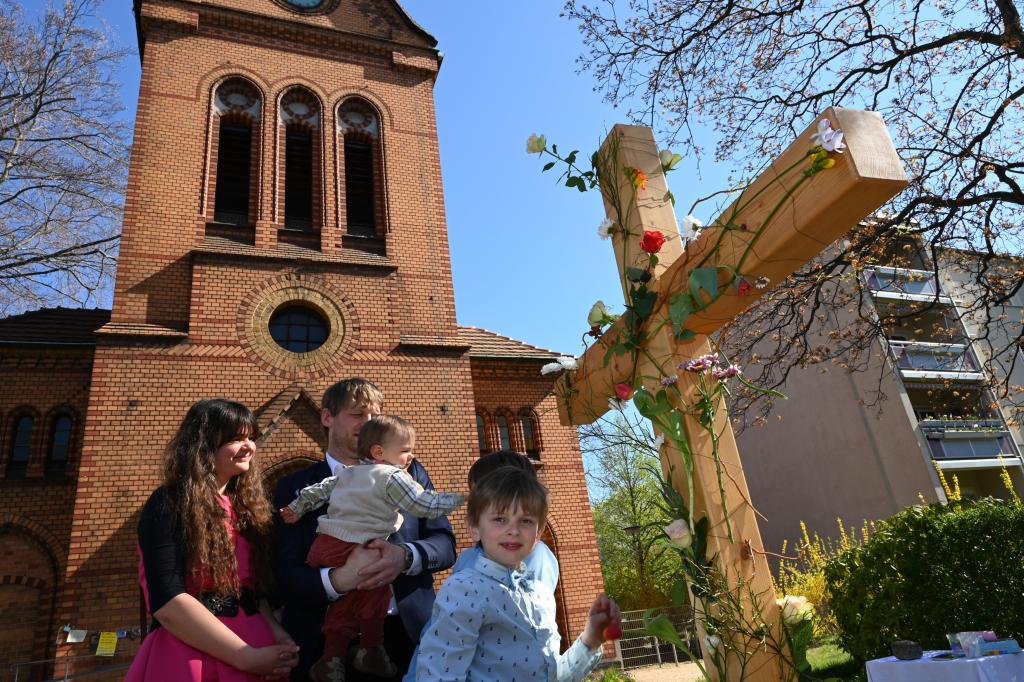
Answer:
(604, 622)
(288, 515)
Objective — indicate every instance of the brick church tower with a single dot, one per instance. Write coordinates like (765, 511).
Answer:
(284, 227)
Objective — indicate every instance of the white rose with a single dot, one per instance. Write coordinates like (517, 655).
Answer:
(691, 227)
(598, 314)
(678, 533)
(669, 159)
(604, 229)
(794, 609)
(712, 641)
(535, 144)
(551, 368)
(568, 362)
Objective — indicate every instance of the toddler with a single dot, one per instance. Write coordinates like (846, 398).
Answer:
(489, 621)
(364, 504)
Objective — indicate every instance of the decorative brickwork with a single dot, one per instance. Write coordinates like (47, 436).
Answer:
(253, 326)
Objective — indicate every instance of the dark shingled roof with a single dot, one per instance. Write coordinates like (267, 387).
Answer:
(54, 326)
(484, 343)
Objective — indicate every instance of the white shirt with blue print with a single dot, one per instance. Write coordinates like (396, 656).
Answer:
(492, 623)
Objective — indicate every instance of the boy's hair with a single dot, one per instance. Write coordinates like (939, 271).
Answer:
(495, 460)
(354, 390)
(504, 489)
(382, 428)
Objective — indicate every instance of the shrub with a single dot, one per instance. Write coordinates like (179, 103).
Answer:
(804, 573)
(930, 570)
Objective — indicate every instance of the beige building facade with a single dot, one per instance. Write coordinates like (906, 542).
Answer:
(833, 451)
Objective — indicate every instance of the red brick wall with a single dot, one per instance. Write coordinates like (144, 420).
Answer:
(35, 511)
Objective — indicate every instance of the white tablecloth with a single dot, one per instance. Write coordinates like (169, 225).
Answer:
(1005, 668)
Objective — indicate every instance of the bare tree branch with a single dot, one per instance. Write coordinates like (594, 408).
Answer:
(946, 75)
(63, 155)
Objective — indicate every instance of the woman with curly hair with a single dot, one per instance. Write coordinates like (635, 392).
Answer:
(202, 541)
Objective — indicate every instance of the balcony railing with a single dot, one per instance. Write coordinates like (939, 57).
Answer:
(904, 283)
(968, 438)
(920, 360)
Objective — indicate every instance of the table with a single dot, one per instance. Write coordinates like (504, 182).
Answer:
(1004, 668)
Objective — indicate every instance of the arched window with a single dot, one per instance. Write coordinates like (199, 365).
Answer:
(21, 447)
(481, 434)
(359, 127)
(300, 115)
(60, 445)
(503, 433)
(531, 433)
(237, 105)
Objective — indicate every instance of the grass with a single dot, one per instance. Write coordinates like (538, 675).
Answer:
(829, 661)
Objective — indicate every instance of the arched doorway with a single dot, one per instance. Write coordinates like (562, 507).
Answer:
(273, 474)
(28, 573)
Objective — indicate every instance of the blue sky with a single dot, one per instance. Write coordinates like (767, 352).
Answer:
(526, 260)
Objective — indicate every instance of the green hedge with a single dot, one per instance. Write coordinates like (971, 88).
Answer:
(928, 571)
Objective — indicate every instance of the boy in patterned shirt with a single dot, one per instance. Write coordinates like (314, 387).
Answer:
(365, 502)
(489, 622)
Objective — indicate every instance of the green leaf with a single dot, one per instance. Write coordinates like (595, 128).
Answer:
(679, 593)
(643, 401)
(705, 279)
(662, 628)
(571, 159)
(635, 274)
(643, 303)
(662, 404)
(686, 334)
(670, 197)
(679, 308)
(672, 425)
(700, 539)
(548, 166)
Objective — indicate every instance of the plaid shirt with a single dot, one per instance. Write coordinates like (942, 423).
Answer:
(399, 490)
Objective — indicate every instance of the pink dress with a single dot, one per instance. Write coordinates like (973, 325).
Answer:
(165, 658)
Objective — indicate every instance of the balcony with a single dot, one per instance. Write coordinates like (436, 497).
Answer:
(905, 284)
(921, 360)
(974, 442)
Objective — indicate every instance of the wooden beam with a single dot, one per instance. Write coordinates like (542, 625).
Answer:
(822, 209)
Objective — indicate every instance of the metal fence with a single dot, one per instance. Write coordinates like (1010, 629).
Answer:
(101, 670)
(636, 648)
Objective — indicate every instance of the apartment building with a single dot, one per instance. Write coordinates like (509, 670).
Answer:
(866, 444)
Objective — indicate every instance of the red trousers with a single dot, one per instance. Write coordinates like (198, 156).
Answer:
(361, 611)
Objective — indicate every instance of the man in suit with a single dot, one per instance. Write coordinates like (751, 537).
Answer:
(406, 561)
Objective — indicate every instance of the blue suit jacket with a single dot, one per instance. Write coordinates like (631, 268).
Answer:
(301, 590)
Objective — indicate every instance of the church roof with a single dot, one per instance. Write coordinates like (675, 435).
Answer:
(54, 327)
(77, 326)
(483, 343)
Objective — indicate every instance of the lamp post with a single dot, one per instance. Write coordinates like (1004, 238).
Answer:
(634, 533)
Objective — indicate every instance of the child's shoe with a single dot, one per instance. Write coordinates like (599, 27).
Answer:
(328, 670)
(375, 661)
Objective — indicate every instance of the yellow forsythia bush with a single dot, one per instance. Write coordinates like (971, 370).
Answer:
(803, 572)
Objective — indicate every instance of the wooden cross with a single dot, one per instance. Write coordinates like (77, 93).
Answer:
(821, 210)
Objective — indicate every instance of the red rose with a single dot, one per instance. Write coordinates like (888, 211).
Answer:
(612, 631)
(652, 241)
(743, 287)
(623, 391)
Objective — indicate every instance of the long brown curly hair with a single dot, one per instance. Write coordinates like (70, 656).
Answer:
(190, 478)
